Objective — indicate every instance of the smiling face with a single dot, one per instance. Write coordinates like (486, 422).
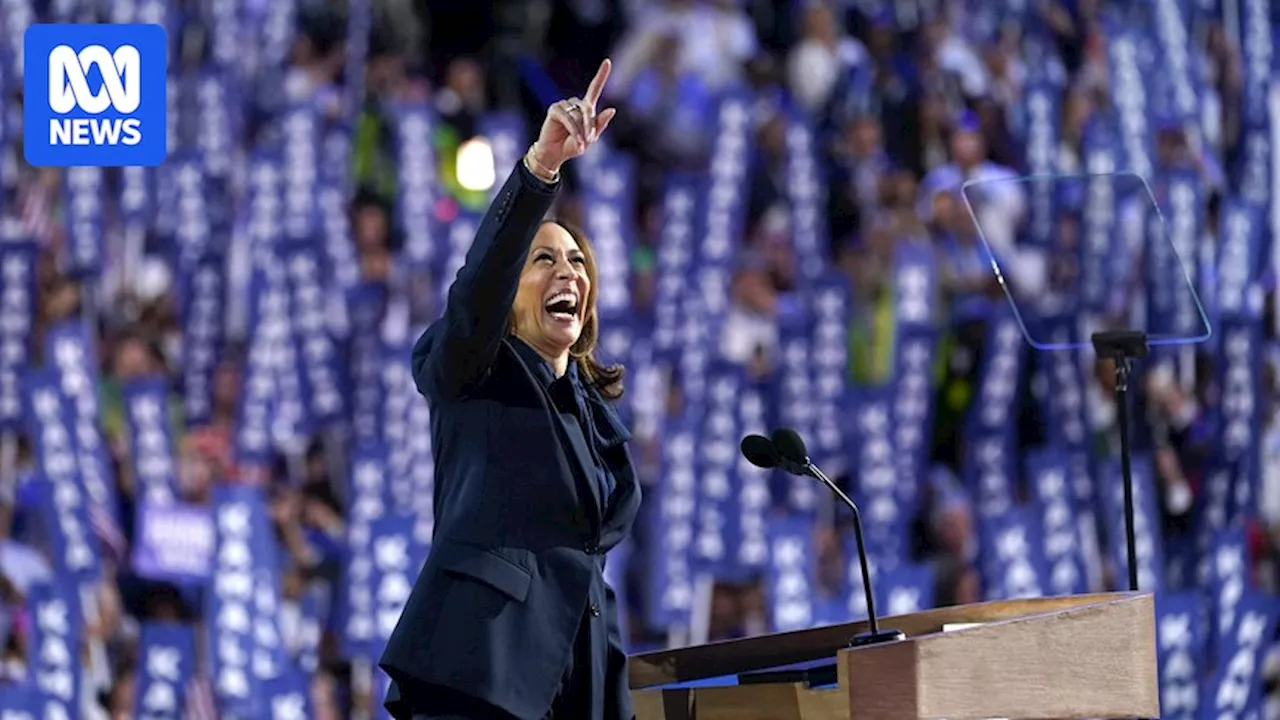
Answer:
(555, 300)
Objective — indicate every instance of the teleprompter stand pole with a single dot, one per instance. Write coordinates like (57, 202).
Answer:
(1122, 347)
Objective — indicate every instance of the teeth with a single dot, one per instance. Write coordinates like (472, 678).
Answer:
(563, 297)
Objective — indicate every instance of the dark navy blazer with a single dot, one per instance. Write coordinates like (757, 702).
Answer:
(521, 528)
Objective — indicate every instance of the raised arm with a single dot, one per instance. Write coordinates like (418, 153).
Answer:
(458, 349)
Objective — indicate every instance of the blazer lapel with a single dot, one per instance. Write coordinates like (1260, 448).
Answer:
(579, 453)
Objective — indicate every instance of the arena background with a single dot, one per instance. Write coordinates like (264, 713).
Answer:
(216, 471)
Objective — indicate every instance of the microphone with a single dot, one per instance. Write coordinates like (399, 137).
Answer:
(759, 451)
(788, 447)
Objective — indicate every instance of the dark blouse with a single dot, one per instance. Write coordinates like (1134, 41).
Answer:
(570, 398)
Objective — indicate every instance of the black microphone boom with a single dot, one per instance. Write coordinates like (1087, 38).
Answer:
(789, 448)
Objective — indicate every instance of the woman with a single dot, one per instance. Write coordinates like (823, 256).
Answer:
(511, 616)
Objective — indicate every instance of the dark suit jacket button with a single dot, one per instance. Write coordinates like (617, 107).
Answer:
(592, 549)
(594, 610)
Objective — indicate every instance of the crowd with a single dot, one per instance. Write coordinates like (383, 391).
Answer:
(215, 473)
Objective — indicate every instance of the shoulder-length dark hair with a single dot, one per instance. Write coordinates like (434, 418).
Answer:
(607, 379)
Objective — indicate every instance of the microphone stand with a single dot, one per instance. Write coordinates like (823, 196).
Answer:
(876, 635)
(1122, 346)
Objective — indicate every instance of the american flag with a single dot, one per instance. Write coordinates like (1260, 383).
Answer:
(115, 547)
(199, 701)
(36, 211)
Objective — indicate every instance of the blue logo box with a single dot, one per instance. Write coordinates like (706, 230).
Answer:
(94, 95)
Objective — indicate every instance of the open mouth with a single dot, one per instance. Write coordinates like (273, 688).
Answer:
(562, 306)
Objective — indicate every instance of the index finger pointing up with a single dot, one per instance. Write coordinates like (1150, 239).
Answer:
(597, 83)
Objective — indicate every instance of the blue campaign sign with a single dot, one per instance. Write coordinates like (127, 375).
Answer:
(96, 95)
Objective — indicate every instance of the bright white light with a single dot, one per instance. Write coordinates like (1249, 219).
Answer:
(475, 164)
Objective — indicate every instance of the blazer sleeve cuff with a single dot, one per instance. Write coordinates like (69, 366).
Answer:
(533, 182)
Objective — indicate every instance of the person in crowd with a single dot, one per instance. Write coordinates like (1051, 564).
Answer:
(823, 57)
(511, 615)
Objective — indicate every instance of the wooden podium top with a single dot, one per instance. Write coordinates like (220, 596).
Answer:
(1080, 656)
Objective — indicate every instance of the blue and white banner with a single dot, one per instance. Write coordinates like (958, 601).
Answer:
(226, 30)
(507, 139)
(1040, 102)
(1064, 402)
(1176, 97)
(136, 203)
(1129, 95)
(50, 427)
(906, 589)
(151, 446)
(807, 198)
(57, 631)
(715, 542)
(872, 458)
(192, 233)
(677, 247)
(912, 411)
(258, 383)
(399, 397)
(1235, 690)
(752, 485)
(459, 235)
(366, 303)
(173, 542)
(416, 186)
(342, 265)
(1257, 46)
(1181, 641)
(300, 144)
(217, 129)
(988, 467)
(397, 559)
(672, 523)
(1012, 558)
(274, 25)
(203, 330)
(359, 27)
(726, 206)
(794, 408)
(166, 663)
(85, 219)
(1066, 427)
(915, 285)
(1101, 156)
(1242, 399)
(244, 640)
(316, 350)
(1227, 575)
(1240, 262)
(607, 202)
(266, 306)
(792, 572)
(289, 697)
(69, 349)
(1171, 243)
(367, 503)
(17, 316)
(852, 590)
(1048, 474)
(1146, 518)
(831, 309)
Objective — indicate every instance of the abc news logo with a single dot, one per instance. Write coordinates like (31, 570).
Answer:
(96, 95)
(69, 90)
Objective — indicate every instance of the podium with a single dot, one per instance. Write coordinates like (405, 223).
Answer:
(1080, 656)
